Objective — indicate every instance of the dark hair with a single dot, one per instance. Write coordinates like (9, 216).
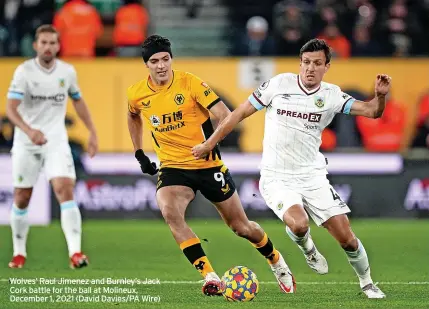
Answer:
(316, 45)
(45, 29)
(155, 44)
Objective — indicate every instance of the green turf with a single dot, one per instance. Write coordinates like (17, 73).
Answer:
(398, 251)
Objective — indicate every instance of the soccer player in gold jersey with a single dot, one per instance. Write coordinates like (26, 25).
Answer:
(176, 105)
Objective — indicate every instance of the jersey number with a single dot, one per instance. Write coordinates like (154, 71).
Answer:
(219, 177)
(335, 196)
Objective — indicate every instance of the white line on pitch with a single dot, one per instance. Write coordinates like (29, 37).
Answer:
(300, 282)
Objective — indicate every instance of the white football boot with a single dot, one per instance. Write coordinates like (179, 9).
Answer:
(316, 261)
(284, 276)
(212, 285)
(372, 291)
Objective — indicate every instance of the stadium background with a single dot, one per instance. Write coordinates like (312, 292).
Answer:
(380, 167)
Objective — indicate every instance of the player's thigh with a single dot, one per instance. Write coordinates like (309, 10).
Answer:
(174, 192)
(59, 163)
(26, 167)
(215, 184)
(279, 196)
(232, 212)
(322, 202)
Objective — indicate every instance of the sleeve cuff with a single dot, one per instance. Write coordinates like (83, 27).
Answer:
(256, 104)
(75, 95)
(213, 103)
(348, 106)
(15, 95)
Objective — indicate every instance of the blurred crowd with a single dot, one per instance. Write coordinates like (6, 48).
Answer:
(362, 28)
(87, 28)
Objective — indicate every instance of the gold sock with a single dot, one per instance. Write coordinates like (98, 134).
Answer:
(266, 248)
(193, 250)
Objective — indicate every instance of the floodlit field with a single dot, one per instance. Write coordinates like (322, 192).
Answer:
(136, 250)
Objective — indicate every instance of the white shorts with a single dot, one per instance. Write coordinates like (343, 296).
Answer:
(54, 161)
(315, 194)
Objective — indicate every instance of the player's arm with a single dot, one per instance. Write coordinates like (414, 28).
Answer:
(135, 127)
(375, 107)
(83, 113)
(14, 97)
(224, 128)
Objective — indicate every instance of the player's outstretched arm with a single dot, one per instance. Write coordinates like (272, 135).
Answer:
(223, 129)
(84, 114)
(36, 136)
(375, 107)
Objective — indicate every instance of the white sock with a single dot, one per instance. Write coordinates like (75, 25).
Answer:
(20, 226)
(305, 243)
(71, 223)
(359, 261)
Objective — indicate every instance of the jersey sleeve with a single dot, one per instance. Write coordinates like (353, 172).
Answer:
(132, 108)
(342, 101)
(202, 93)
(74, 91)
(262, 96)
(18, 85)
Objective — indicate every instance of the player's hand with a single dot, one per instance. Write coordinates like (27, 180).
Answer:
(146, 166)
(382, 84)
(92, 144)
(37, 137)
(201, 151)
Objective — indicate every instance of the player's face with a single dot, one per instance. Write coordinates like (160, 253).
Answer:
(159, 66)
(313, 68)
(47, 46)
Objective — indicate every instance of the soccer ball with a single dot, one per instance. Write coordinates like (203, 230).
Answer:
(239, 284)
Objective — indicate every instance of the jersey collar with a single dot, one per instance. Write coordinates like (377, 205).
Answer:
(302, 87)
(44, 70)
(156, 88)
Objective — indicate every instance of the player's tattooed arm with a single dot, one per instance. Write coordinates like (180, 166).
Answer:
(375, 107)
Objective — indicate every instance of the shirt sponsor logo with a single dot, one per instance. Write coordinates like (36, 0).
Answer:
(59, 97)
(311, 117)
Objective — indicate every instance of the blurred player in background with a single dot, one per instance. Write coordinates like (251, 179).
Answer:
(176, 105)
(37, 104)
(293, 173)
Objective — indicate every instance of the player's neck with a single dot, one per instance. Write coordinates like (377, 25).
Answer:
(44, 64)
(309, 88)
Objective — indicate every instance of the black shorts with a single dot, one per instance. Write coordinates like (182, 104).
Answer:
(215, 183)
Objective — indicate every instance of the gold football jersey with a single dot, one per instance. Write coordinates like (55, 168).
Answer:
(178, 116)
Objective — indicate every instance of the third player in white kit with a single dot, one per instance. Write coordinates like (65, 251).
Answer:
(37, 102)
(293, 171)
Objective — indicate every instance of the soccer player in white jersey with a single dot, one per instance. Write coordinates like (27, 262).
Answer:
(293, 171)
(36, 105)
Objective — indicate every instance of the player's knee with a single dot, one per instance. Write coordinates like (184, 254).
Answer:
(240, 229)
(349, 243)
(299, 226)
(173, 219)
(22, 198)
(64, 192)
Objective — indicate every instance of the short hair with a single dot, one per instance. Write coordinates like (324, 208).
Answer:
(156, 40)
(316, 45)
(48, 28)
(153, 44)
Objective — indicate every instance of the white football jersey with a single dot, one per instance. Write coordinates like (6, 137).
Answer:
(294, 121)
(43, 94)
